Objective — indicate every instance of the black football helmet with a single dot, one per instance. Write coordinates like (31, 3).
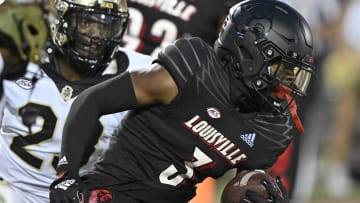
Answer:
(267, 44)
(88, 31)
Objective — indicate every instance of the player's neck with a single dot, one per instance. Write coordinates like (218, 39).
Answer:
(68, 72)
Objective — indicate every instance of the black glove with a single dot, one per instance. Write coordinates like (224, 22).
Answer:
(66, 189)
(277, 193)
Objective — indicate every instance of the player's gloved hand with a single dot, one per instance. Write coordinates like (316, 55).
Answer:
(67, 188)
(277, 193)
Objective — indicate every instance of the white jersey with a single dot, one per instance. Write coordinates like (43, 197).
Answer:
(28, 157)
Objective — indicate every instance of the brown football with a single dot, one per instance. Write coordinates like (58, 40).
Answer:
(235, 189)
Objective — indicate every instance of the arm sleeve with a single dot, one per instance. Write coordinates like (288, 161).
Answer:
(80, 131)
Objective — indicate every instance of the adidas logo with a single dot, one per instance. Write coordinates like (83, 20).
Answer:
(63, 161)
(249, 138)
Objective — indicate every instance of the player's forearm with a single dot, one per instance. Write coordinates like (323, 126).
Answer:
(82, 124)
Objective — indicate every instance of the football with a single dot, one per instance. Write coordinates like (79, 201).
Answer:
(235, 189)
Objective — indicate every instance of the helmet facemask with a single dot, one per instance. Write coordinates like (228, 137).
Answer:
(88, 35)
(94, 36)
(287, 80)
(292, 73)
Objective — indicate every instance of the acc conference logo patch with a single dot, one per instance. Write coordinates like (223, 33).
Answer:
(67, 92)
(25, 83)
(213, 112)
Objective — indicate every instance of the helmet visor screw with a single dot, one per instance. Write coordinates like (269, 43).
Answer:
(258, 83)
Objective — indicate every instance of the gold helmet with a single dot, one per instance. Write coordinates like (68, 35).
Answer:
(88, 31)
(24, 24)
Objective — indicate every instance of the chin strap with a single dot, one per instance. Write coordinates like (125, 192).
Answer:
(282, 92)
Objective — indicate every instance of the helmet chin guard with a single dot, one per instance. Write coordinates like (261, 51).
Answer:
(282, 92)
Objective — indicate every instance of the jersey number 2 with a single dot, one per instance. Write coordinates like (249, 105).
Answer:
(20, 142)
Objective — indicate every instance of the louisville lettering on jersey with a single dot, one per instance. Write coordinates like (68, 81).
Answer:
(212, 137)
(176, 8)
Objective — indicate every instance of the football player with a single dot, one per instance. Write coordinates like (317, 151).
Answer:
(155, 24)
(84, 51)
(214, 109)
(23, 33)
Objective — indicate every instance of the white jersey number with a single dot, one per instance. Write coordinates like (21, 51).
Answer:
(201, 160)
(20, 142)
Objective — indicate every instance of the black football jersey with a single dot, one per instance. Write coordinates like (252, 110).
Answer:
(165, 150)
(155, 24)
